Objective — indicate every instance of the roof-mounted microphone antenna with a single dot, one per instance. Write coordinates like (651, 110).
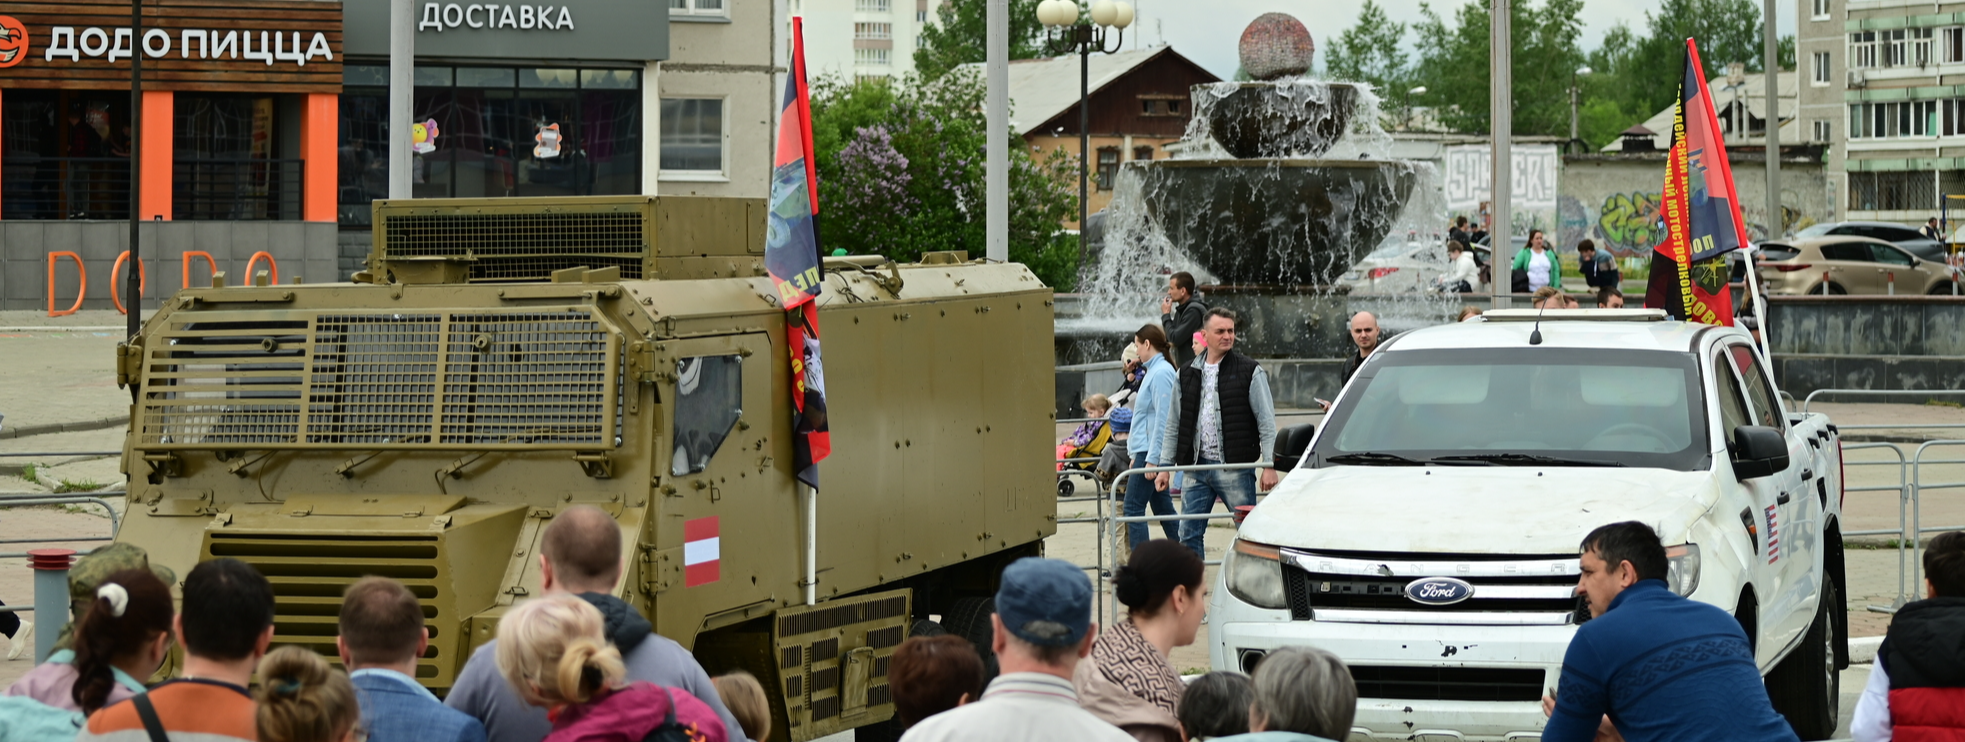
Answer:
(1535, 337)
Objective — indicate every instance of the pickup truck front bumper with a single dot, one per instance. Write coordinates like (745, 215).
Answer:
(1434, 670)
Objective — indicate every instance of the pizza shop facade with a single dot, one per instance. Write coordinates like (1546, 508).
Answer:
(264, 129)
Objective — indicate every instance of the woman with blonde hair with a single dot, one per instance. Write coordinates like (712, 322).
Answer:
(554, 653)
(302, 699)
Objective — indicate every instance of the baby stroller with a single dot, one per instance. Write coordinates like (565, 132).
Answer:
(1097, 445)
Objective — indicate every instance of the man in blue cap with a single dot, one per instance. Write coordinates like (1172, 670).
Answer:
(1043, 627)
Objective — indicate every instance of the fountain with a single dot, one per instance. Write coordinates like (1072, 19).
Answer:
(1277, 187)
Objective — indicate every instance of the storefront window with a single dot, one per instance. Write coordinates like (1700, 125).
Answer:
(227, 159)
(499, 131)
(66, 155)
(692, 137)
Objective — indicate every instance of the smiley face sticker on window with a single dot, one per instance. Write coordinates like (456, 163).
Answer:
(423, 137)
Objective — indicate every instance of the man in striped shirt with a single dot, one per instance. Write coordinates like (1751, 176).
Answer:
(226, 625)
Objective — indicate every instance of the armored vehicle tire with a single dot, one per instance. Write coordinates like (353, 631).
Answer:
(1805, 687)
(969, 619)
(925, 627)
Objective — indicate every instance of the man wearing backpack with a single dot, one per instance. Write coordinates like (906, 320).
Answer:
(580, 553)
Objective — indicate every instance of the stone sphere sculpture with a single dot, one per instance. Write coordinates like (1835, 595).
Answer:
(1276, 45)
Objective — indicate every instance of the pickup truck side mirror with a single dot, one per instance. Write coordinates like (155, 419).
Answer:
(1290, 445)
(1757, 451)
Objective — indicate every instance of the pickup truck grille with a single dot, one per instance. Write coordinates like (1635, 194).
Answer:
(1372, 588)
(1448, 683)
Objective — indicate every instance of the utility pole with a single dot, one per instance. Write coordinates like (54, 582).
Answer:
(1501, 125)
(402, 86)
(996, 115)
(1772, 52)
(133, 284)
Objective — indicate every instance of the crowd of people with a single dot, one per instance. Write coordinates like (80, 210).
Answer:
(577, 664)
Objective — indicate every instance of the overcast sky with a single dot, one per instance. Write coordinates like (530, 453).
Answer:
(1206, 31)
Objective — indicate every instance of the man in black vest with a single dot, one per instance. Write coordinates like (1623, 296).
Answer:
(1181, 314)
(1225, 416)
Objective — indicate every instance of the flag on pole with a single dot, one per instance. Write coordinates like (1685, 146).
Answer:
(1702, 211)
(791, 256)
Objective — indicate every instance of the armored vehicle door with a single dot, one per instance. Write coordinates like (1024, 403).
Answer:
(724, 511)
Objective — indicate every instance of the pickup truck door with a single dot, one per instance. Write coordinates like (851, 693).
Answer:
(1762, 502)
(1792, 542)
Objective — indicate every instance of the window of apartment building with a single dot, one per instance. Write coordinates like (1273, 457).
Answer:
(873, 56)
(699, 7)
(1821, 67)
(1894, 48)
(1143, 153)
(873, 30)
(870, 78)
(1822, 131)
(920, 16)
(693, 139)
(872, 6)
(1920, 46)
(1862, 50)
(1954, 44)
(920, 42)
(1893, 191)
(1821, 9)
(1108, 167)
(1918, 118)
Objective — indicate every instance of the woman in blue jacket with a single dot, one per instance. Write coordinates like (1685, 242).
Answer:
(1152, 408)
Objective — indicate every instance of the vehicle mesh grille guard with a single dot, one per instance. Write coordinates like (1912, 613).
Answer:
(534, 379)
(519, 247)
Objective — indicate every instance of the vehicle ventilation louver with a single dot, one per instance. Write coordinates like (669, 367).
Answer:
(520, 246)
(533, 379)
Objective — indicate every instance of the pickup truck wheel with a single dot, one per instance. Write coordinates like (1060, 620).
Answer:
(1805, 687)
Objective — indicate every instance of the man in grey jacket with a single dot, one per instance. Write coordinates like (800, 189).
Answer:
(581, 554)
(1223, 414)
(1181, 314)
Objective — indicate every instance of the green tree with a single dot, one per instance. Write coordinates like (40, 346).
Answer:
(958, 36)
(901, 173)
(1453, 64)
(1373, 50)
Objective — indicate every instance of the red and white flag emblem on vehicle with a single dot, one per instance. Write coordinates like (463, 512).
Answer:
(702, 552)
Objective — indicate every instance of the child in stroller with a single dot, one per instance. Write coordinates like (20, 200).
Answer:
(1090, 441)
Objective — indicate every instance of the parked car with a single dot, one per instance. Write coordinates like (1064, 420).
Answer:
(1907, 238)
(1405, 267)
(1849, 265)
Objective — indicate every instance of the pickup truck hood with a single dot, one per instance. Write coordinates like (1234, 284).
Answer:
(1473, 510)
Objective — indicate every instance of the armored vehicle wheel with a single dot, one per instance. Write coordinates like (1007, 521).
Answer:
(969, 619)
(1805, 687)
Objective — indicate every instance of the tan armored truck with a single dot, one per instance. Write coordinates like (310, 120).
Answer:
(501, 360)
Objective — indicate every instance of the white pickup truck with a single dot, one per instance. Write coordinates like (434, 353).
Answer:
(1429, 533)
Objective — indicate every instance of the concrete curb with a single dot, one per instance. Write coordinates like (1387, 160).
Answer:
(23, 431)
(1862, 649)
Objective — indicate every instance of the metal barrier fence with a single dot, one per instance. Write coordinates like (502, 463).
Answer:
(29, 500)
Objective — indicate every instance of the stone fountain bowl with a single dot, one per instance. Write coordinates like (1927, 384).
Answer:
(1275, 221)
(1289, 118)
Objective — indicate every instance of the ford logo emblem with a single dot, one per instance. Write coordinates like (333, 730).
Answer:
(1439, 591)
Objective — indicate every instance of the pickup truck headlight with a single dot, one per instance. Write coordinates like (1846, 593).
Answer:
(1682, 573)
(1255, 574)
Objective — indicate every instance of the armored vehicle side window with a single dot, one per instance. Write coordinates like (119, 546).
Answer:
(709, 393)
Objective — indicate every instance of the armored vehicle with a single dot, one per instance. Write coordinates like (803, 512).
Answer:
(501, 360)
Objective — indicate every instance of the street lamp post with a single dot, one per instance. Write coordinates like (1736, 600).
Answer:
(1576, 101)
(1066, 32)
(1421, 90)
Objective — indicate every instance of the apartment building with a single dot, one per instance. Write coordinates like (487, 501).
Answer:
(862, 39)
(1885, 88)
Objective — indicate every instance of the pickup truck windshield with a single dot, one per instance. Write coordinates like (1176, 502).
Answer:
(1521, 407)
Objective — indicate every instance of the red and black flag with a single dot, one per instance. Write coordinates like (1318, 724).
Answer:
(1701, 210)
(791, 256)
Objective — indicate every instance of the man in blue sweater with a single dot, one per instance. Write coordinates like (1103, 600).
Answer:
(1652, 665)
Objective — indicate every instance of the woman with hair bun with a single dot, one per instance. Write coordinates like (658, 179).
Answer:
(122, 639)
(554, 653)
(1128, 680)
(302, 699)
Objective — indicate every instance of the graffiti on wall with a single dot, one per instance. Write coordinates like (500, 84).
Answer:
(1631, 222)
